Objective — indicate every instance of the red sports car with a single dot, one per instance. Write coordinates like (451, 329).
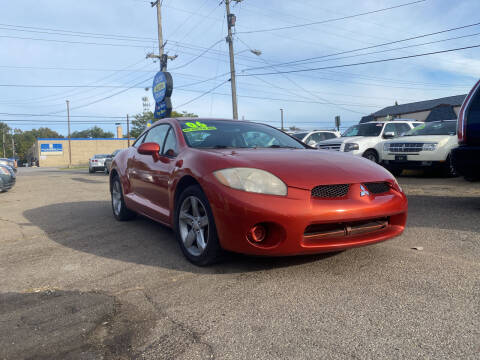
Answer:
(250, 188)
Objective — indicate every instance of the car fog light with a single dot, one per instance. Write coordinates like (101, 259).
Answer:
(257, 234)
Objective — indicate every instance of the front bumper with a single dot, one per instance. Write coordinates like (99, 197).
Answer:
(288, 218)
(417, 160)
(466, 160)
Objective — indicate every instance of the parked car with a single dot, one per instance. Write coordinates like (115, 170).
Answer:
(9, 162)
(108, 161)
(7, 178)
(250, 188)
(427, 146)
(466, 158)
(97, 163)
(312, 138)
(361, 139)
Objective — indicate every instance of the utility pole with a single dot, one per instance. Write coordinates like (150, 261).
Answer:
(128, 131)
(281, 117)
(231, 22)
(161, 56)
(3, 142)
(69, 140)
(13, 145)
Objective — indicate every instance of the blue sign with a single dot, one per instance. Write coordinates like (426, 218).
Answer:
(51, 148)
(160, 110)
(159, 87)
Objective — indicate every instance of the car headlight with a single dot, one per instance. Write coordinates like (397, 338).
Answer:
(429, 147)
(251, 180)
(386, 147)
(351, 147)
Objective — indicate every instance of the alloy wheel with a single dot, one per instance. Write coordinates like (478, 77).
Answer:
(117, 198)
(193, 225)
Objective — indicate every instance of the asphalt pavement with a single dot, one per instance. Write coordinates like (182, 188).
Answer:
(76, 284)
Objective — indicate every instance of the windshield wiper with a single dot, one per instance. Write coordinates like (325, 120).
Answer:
(281, 147)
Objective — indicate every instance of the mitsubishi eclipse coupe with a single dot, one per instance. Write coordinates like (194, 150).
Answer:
(250, 188)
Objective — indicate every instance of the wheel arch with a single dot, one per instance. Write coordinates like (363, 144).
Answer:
(374, 150)
(183, 183)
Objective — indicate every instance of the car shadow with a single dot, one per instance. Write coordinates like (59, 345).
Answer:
(88, 181)
(444, 212)
(90, 227)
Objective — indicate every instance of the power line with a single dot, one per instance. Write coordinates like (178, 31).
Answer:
(203, 94)
(331, 20)
(364, 62)
(73, 116)
(300, 62)
(198, 56)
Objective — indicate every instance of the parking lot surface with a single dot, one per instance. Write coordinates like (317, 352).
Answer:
(76, 284)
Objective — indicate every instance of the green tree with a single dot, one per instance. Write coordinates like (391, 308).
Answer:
(92, 133)
(140, 121)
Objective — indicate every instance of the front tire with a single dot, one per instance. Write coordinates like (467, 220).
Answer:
(120, 210)
(448, 169)
(195, 227)
(105, 171)
(371, 155)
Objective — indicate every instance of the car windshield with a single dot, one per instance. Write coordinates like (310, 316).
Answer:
(434, 128)
(221, 134)
(371, 129)
(100, 156)
(300, 136)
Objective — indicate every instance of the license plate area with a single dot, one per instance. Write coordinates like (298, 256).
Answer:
(401, 158)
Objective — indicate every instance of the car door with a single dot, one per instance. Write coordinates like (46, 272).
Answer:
(152, 176)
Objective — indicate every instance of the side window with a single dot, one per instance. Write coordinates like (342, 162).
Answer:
(139, 141)
(390, 127)
(157, 134)
(402, 129)
(170, 147)
(328, 136)
(317, 137)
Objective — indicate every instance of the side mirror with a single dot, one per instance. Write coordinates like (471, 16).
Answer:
(312, 143)
(150, 148)
(389, 135)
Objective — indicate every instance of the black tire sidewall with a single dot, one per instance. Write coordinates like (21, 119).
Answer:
(213, 250)
(366, 153)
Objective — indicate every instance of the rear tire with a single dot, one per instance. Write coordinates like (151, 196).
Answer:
(120, 210)
(371, 155)
(195, 228)
(105, 171)
(90, 170)
(448, 169)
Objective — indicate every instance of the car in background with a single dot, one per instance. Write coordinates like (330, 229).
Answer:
(9, 162)
(250, 188)
(108, 161)
(361, 139)
(7, 178)
(466, 157)
(97, 163)
(312, 138)
(427, 146)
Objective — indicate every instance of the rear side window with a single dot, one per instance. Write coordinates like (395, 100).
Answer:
(328, 136)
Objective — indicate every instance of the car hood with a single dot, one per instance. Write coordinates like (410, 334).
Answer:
(421, 138)
(341, 140)
(303, 168)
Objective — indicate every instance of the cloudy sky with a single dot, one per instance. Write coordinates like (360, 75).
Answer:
(93, 54)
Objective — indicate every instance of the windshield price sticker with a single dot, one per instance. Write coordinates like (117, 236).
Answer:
(198, 126)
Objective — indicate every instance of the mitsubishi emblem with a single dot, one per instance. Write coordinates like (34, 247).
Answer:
(363, 191)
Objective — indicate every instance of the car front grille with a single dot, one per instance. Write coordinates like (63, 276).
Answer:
(406, 147)
(378, 187)
(335, 147)
(346, 229)
(330, 191)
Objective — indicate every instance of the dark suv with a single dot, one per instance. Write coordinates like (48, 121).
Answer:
(466, 158)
